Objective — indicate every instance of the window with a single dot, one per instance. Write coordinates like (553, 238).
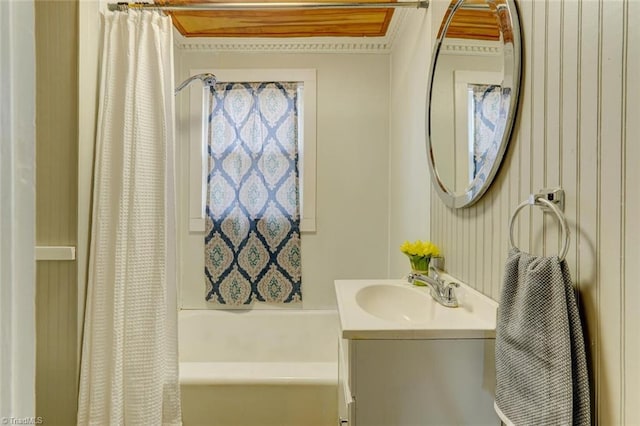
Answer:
(469, 104)
(485, 101)
(259, 162)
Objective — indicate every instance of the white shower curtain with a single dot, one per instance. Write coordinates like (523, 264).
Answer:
(129, 369)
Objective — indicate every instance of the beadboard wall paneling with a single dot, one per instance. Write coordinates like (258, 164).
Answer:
(578, 127)
(56, 209)
(630, 226)
(56, 354)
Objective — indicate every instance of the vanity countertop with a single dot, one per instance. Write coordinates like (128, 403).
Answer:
(393, 309)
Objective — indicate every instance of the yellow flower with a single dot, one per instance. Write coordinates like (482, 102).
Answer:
(420, 248)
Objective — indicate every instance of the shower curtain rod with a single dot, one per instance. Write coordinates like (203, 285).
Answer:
(421, 4)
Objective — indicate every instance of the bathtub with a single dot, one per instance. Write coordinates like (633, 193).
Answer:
(258, 367)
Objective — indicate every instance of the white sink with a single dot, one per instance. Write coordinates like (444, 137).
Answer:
(395, 309)
(396, 303)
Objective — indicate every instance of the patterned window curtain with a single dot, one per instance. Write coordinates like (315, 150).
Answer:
(487, 106)
(252, 239)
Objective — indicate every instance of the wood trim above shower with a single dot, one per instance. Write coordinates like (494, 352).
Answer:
(283, 23)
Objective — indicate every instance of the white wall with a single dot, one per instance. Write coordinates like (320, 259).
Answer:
(17, 214)
(409, 181)
(352, 170)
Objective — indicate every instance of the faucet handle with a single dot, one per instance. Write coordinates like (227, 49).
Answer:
(449, 290)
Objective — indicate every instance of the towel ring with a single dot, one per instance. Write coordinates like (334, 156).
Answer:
(555, 209)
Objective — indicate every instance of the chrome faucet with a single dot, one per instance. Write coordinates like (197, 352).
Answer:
(443, 293)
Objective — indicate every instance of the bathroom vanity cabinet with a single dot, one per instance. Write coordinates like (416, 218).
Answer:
(407, 361)
(417, 382)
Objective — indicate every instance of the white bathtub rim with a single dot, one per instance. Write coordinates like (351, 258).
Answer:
(188, 312)
(259, 373)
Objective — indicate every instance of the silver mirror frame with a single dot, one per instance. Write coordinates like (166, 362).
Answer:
(512, 61)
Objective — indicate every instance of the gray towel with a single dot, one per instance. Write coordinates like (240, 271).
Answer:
(541, 366)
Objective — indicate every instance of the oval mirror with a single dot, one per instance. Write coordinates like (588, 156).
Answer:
(472, 97)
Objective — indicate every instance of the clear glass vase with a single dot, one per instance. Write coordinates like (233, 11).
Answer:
(419, 264)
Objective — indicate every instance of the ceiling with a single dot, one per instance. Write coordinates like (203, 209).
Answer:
(474, 24)
(283, 23)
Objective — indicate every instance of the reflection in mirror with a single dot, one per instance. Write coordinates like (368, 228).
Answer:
(472, 96)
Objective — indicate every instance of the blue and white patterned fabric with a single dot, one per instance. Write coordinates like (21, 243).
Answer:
(252, 239)
(490, 109)
(486, 111)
